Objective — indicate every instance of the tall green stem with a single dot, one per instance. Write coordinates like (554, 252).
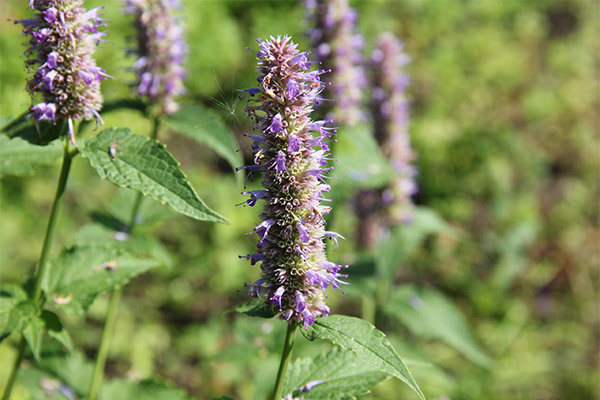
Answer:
(286, 356)
(40, 271)
(113, 307)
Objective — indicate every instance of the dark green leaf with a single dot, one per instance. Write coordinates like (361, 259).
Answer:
(143, 164)
(363, 339)
(55, 328)
(255, 308)
(431, 315)
(344, 376)
(206, 127)
(81, 273)
(19, 157)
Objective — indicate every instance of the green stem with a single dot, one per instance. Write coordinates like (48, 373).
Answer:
(111, 313)
(15, 370)
(111, 318)
(286, 356)
(40, 271)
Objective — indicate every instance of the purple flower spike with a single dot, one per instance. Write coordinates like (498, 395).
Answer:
(62, 45)
(295, 271)
(338, 47)
(392, 205)
(161, 50)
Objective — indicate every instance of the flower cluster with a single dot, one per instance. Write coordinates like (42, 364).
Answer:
(160, 50)
(339, 47)
(295, 270)
(63, 37)
(390, 119)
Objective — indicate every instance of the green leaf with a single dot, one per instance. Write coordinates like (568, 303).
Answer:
(143, 390)
(81, 273)
(57, 376)
(143, 164)
(255, 308)
(33, 333)
(15, 309)
(19, 157)
(207, 128)
(363, 165)
(430, 315)
(344, 376)
(363, 339)
(143, 245)
(405, 239)
(224, 398)
(55, 329)
(35, 132)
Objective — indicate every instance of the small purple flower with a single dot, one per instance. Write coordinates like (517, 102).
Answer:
(161, 50)
(295, 270)
(338, 47)
(67, 76)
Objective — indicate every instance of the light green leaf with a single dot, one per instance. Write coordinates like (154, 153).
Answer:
(363, 339)
(143, 245)
(430, 315)
(405, 239)
(81, 273)
(363, 165)
(143, 390)
(207, 128)
(55, 329)
(19, 157)
(143, 164)
(33, 333)
(344, 376)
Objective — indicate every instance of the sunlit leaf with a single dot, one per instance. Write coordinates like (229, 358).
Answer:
(207, 128)
(81, 273)
(139, 163)
(337, 375)
(363, 339)
(19, 157)
(430, 315)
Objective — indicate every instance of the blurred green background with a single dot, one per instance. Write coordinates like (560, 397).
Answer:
(504, 120)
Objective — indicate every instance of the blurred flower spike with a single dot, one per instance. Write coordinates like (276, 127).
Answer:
(338, 46)
(63, 37)
(161, 50)
(390, 120)
(295, 270)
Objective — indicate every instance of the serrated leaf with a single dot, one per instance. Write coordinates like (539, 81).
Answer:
(206, 127)
(143, 390)
(430, 315)
(55, 329)
(19, 157)
(143, 164)
(81, 273)
(368, 343)
(340, 373)
(33, 333)
(255, 308)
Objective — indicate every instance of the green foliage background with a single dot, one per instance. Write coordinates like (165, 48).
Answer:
(504, 120)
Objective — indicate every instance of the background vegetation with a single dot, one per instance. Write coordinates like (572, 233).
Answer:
(493, 290)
